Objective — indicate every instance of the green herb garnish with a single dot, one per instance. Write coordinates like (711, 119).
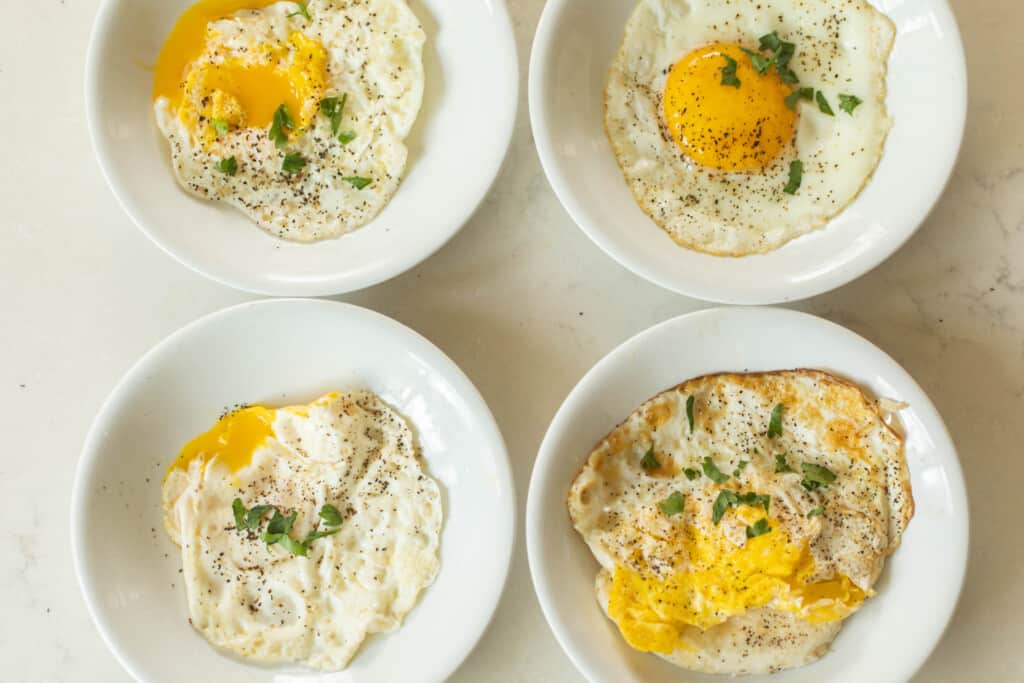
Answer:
(330, 515)
(771, 41)
(712, 472)
(782, 53)
(848, 103)
(649, 462)
(281, 124)
(672, 505)
(313, 535)
(357, 182)
(346, 137)
(333, 108)
(823, 104)
(781, 465)
(760, 62)
(291, 545)
(238, 508)
(816, 512)
(815, 476)
(760, 528)
(799, 94)
(689, 411)
(252, 519)
(729, 72)
(303, 11)
(739, 467)
(219, 125)
(775, 422)
(754, 500)
(725, 500)
(691, 473)
(796, 177)
(227, 166)
(293, 163)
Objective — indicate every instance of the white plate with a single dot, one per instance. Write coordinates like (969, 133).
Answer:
(887, 640)
(455, 151)
(573, 49)
(281, 352)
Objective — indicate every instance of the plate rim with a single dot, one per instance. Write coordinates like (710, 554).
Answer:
(106, 414)
(546, 456)
(539, 112)
(337, 283)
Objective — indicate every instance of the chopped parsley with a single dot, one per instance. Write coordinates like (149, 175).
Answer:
(816, 512)
(727, 499)
(649, 462)
(279, 527)
(823, 104)
(302, 11)
(759, 529)
(848, 103)
(740, 467)
(775, 422)
(672, 505)
(712, 472)
(227, 166)
(293, 163)
(357, 182)
(729, 72)
(796, 176)
(691, 473)
(782, 54)
(281, 124)
(346, 137)
(760, 62)
(799, 94)
(816, 476)
(219, 125)
(332, 108)
(689, 411)
(781, 466)
(330, 515)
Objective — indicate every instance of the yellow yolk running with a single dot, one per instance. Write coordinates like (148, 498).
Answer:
(721, 581)
(243, 91)
(721, 126)
(232, 441)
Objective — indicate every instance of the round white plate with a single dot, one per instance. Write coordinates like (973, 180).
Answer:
(282, 352)
(891, 636)
(455, 150)
(573, 49)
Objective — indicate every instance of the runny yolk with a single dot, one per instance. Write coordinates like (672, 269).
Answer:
(721, 581)
(243, 88)
(232, 441)
(721, 126)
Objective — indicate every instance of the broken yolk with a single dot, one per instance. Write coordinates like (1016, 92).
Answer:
(721, 126)
(721, 581)
(243, 88)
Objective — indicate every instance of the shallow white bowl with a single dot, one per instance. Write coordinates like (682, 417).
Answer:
(455, 151)
(573, 49)
(891, 636)
(280, 352)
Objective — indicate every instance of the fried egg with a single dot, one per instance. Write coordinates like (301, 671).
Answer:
(357, 529)
(739, 518)
(742, 125)
(295, 113)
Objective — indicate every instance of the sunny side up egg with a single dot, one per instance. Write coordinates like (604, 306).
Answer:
(742, 125)
(738, 540)
(295, 113)
(303, 529)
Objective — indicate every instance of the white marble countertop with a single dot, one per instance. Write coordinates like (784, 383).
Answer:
(521, 300)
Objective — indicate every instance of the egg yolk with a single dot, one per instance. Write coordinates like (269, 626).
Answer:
(722, 126)
(244, 88)
(237, 435)
(721, 581)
